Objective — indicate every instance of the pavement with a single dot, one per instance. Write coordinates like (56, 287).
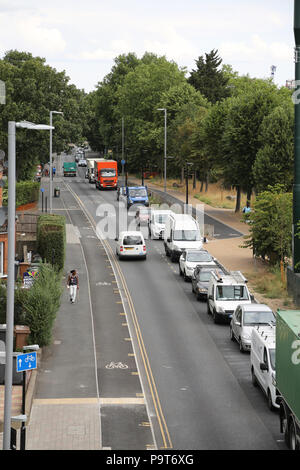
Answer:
(73, 424)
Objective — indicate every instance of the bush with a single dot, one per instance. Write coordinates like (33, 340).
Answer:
(36, 307)
(51, 239)
(41, 303)
(26, 192)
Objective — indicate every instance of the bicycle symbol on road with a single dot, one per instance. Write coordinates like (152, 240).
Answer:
(116, 365)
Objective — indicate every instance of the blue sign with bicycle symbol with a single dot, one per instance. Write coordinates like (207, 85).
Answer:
(26, 361)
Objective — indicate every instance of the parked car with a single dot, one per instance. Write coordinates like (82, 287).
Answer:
(157, 223)
(131, 244)
(247, 317)
(82, 162)
(191, 258)
(201, 278)
(142, 216)
(262, 360)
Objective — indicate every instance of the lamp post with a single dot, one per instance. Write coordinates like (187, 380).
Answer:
(187, 164)
(165, 149)
(11, 270)
(50, 152)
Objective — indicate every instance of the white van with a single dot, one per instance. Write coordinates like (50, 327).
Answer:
(131, 244)
(262, 359)
(225, 293)
(182, 232)
(157, 223)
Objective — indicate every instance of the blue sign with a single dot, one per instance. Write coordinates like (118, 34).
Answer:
(26, 361)
(123, 162)
(42, 189)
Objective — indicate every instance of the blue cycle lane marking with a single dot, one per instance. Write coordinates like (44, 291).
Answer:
(26, 361)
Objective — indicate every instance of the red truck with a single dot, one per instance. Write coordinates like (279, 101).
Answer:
(106, 174)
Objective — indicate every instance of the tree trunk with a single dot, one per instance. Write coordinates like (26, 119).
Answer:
(194, 179)
(201, 187)
(182, 175)
(249, 193)
(238, 199)
(206, 182)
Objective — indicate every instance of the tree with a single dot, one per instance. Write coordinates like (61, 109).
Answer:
(33, 89)
(271, 225)
(274, 161)
(209, 79)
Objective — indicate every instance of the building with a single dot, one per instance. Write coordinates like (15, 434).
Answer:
(3, 232)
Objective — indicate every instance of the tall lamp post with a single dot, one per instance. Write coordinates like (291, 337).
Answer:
(12, 125)
(165, 149)
(187, 164)
(50, 152)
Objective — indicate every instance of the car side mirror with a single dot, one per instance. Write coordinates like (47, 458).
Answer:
(237, 323)
(263, 366)
(252, 297)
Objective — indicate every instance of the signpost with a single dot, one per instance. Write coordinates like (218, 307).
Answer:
(26, 361)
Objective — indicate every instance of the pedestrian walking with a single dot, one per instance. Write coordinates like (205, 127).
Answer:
(73, 284)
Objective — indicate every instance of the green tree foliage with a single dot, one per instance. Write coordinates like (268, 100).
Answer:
(33, 89)
(271, 225)
(274, 161)
(209, 79)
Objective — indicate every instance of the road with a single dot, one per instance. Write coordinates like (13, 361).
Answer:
(196, 383)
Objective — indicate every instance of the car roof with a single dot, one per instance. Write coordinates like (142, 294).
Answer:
(131, 232)
(257, 308)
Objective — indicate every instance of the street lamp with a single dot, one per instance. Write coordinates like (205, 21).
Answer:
(165, 152)
(50, 151)
(12, 125)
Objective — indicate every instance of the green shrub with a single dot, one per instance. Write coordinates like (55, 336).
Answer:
(26, 192)
(41, 303)
(51, 239)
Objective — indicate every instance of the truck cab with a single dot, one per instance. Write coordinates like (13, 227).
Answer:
(106, 174)
(70, 169)
(137, 195)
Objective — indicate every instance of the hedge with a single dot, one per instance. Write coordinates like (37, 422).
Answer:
(36, 307)
(26, 192)
(51, 239)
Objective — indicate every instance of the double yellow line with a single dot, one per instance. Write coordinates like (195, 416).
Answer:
(166, 439)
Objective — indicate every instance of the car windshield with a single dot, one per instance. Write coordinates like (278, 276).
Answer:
(204, 276)
(132, 240)
(108, 172)
(186, 235)
(161, 218)
(272, 353)
(258, 318)
(200, 256)
(232, 293)
(137, 192)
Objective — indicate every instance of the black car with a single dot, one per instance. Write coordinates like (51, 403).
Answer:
(200, 280)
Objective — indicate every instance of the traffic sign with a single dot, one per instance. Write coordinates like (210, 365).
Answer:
(123, 162)
(26, 361)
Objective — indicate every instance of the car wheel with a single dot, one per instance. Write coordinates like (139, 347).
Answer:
(241, 346)
(180, 272)
(253, 377)
(208, 309)
(231, 334)
(173, 258)
(198, 297)
(270, 404)
(185, 277)
(216, 317)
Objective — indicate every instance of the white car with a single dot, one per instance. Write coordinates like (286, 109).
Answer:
(157, 223)
(131, 244)
(190, 259)
(247, 317)
(82, 162)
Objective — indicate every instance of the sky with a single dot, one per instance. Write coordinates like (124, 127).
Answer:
(83, 37)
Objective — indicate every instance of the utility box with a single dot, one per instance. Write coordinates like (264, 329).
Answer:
(21, 335)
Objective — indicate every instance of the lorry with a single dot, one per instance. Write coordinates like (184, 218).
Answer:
(70, 168)
(288, 375)
(106, 174)
(137, 195)
(91, 168)
(181, 232)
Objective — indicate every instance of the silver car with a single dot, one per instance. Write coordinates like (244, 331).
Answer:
(245, 318)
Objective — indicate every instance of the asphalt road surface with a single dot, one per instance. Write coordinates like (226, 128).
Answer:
(196, 382)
